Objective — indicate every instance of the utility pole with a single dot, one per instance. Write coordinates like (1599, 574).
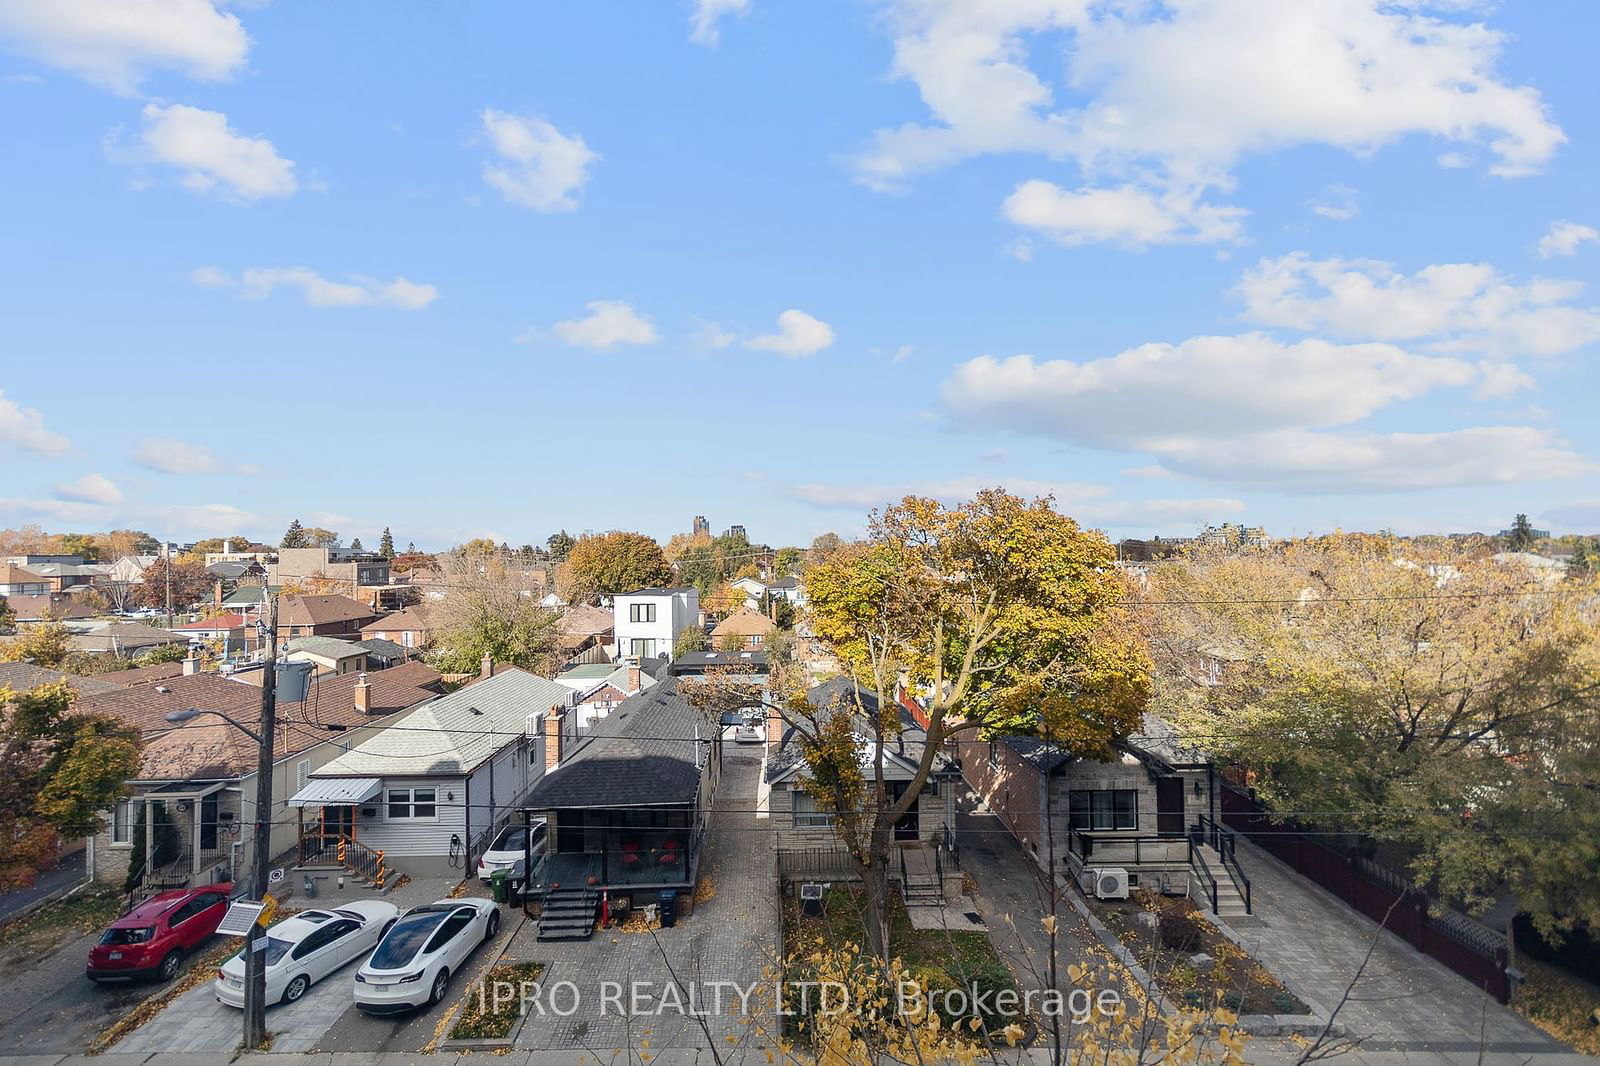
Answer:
(166, 565)
(255, 973)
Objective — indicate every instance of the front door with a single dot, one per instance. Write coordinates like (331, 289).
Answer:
(909, 826)
(208, 823)
(1169, 806)
(340, 820)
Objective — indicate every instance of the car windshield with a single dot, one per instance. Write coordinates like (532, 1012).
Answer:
(352, 915)
(511, 838)
(405, 940)
(276, 949)
(128, 936)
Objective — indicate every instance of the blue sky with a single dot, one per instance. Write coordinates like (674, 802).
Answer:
(503, 268)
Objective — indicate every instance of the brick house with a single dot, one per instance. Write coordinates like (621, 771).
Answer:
(322, 616)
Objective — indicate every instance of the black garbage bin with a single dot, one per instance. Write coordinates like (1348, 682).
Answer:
(669, 907)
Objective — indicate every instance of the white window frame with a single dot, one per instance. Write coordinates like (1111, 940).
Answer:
(809, 817)
(410, 804)
(124, 809)
(642, 613)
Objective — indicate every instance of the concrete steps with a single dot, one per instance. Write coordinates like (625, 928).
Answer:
(1230, 900)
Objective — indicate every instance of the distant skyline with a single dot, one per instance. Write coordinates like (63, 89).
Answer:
(502, 269)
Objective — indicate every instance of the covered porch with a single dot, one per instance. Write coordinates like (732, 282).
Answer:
(625, 847)
(327, 813)
(202, 826)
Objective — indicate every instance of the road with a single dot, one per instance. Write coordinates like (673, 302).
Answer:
(52, 1007)
(69, 872)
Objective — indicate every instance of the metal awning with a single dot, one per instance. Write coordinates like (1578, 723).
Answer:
(337, 791)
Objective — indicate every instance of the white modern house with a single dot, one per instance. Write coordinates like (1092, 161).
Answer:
(648, 621)
(779, 588)
(430, 790)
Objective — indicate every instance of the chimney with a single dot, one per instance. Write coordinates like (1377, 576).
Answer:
(363, 692)
(191, 665)
(227, 546)
(217, 594)
(486, 667)
(774, 728)
(633, 676)
(552, 738)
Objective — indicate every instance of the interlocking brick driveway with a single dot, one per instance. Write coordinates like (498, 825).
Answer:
(732, 937)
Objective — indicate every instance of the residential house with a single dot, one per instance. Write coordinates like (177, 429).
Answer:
(322, 616)
(330, 655)
(62, 577)
(125, 639)
(587, 629)
(743, 630)
(21, 677)
(1150, 809)
(432, 789)
(779, 588)
(382, 654)
(627, 802)
(599, 687)
(16, 581)
(129, 570)
(802, 826)
(747, 666)
(142, 675)
(202, 771)
(50, 607)
(362, 575)
(648, 621)
(36, 559)
(235, 632)
(409, 627)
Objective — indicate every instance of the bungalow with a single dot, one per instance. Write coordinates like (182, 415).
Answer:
(409, 627)
(21, 677)
(807, 835)
(1149, 812)
(584, 628)
(125, 638)
(625, 804)
(743, 630)
(431, 789)
(329, 655)
(197, 774)
(599, 687)
(234, 631)
(15, 581)
(779, 588)
(50, 607)
(322, 616)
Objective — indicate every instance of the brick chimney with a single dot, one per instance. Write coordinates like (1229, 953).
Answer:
(552, 738)
(633, 676)
(486, 667)
(775, 728)
(363, 692)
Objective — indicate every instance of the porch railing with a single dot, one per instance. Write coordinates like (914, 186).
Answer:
(1226, 843)
(366, 863)
(1208, 880)
(1154, 850)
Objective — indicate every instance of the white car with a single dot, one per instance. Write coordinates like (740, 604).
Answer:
(412, 966)
(509, 850)
(303, 949)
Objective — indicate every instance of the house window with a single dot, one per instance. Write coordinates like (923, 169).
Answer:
(122, 822)
(642, 647)
(755, 640)
(994, 755)
(641, 612)
(1105, 808)
(806, 815)
(412, 803)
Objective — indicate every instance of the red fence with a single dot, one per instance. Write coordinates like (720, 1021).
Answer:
(1470, 948)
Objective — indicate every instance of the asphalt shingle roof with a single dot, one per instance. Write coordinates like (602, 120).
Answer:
(838, 695)
(20, 677)
(321, 610)
(649, 750)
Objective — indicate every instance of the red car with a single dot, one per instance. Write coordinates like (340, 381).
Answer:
(152, 939)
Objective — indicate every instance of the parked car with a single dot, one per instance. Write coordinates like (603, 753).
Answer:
(152, 939)
(509, 850)
(303, 949)
(413, 963)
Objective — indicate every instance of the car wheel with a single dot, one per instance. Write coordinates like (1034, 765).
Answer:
(169, 966)
(296, 989)
(440, 985)
(494, 925)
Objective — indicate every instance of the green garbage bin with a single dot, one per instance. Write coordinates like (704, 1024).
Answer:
(497, 883)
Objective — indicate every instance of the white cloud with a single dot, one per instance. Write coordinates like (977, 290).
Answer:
(1564, 238)
(170, 456)
(1339, 203)
(1257, 411)
(115, 43)
(1498, 380)
(1089, 503)
(1171, 96)
(902, 353)
(1124, 214)
(798, 336)
(23, 427)
(90, 488)
(1205, 386)
(608, 324)
(539, 167)
(710, 335)
(1457, 307)
(257, 283)
(213, 157)
(703, 28)
(1154, 472)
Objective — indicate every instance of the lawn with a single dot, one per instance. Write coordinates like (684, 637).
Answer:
(1168, 952)
(484, 1017)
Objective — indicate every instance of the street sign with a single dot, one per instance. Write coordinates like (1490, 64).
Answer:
(242, 914)
(268, 909)
(275, 876)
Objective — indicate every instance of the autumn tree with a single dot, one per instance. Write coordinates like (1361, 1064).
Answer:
(787, 561)
(690, 639)
(317, 537)
(44, 644)
(191, 583)
(85, 545)
(386, 544)
(8, 618)
(1002, 614)
(486, 609)
(1442, 703)
(61, 771)
(609, 564)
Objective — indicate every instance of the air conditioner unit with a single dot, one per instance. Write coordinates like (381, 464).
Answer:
(1111, 882)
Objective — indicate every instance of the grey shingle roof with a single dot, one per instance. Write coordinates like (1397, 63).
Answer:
(328, 647)
(20, 677)
(649, 750)
(837, 694)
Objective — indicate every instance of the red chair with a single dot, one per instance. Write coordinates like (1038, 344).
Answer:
(670, 853)
(630, 854)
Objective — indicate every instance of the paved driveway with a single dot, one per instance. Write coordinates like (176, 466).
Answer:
(51, 1007)
(732, 937)
(1404, 1002)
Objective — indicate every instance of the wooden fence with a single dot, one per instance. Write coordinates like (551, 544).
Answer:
(1468, 947)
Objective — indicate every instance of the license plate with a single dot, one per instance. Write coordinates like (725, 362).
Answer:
(234, 982)
(115, 955)
(378, 985)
